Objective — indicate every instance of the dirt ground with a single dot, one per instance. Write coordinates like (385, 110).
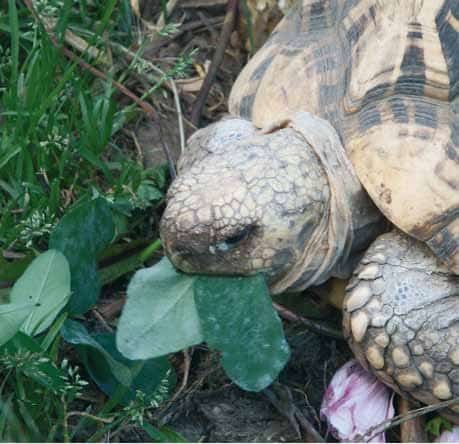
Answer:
(212, 409)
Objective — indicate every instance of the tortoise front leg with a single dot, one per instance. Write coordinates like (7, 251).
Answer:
(401, 319)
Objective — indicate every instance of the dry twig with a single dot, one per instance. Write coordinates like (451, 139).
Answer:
(228, 26)
(281, 398)
(170, 7)
(413, 429)
(317, 327)
(89, 416)
(102, 320)
(397, 420)
(186, 373)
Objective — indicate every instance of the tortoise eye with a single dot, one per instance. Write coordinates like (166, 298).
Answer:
(231, 241)
(239, 237)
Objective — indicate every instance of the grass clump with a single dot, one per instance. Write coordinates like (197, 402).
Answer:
(63, 143)
(59, 125)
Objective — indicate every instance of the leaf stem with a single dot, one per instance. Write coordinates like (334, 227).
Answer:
(317, 327)
(112, 272)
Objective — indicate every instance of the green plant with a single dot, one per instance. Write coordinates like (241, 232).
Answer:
(167, 311)
(59, 132)
(39, 387)
(40, 391)
(67, 180)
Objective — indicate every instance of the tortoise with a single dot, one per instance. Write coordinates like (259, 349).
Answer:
(339, 157)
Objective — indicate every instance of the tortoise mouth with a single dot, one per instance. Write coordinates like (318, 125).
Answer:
(230, 253)
(206, 265)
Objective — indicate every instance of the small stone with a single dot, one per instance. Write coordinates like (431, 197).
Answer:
(442, 390)
(358, 297)
(359, 325)
(454, 355)
(370, 272)
(426, 368)
(400, 357)
(409, 378)
(375, 357)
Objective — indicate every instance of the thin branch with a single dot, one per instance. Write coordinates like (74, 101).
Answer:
(102, 320)
(414, 429)
(89, 416)
(75, 41)
(178, 107)
(170, 7)
(281, 398)
(227, 29)
(186, 373)
(170, 83)
(396, 420)
(146, 107)
(167, 152)
(315, 326)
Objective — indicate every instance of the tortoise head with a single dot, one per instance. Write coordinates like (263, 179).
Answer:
(244, 201)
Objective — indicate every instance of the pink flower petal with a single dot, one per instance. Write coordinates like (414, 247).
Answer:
(449, 436)
(354, 402)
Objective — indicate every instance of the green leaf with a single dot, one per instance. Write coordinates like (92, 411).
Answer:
(164, 434)
(160, 315)
(237, 318)
(46, 285)
(14, 30)
(11, 270)
(75, 333)
(437, 425)
(12, 316)
(43, 371)
(146, 376)
(81, 234)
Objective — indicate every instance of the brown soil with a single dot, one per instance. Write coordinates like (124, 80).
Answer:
(212, 409)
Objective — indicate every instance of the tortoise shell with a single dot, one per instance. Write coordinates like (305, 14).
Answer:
(385, 74)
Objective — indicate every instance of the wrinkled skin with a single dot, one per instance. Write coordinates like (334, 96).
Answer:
(401, 320)
(283, 201)
(243, 205)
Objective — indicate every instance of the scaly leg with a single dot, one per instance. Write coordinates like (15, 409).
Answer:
(401, 318)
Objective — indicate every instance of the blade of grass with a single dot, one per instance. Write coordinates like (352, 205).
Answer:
(109, 8)
(53, 331)
(14, 31)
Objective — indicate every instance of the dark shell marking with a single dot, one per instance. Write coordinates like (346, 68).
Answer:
(367, 66)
